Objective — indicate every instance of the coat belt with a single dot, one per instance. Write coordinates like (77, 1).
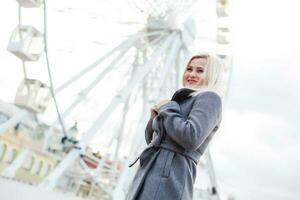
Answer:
(150, 150)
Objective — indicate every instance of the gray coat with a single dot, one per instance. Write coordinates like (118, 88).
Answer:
(176, 139)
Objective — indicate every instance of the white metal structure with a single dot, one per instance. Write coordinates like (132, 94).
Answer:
(157, 53)
(33, 94)
(30, 3)
(27, 43)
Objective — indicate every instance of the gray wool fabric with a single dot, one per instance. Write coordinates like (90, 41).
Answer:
(176, 139)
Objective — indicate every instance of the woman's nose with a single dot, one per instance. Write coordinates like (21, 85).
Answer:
(193, 73)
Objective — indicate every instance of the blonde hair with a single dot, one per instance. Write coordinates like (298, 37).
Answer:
(214, 73)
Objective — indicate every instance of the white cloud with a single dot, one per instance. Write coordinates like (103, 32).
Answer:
(254, 158)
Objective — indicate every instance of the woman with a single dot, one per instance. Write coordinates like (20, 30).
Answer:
(177, 134)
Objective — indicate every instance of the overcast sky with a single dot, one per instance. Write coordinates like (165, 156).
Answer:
(256, 152)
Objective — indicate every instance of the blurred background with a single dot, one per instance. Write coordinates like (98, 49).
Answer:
(256, 152)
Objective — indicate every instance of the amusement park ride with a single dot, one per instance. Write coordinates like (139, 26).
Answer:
(50, 158)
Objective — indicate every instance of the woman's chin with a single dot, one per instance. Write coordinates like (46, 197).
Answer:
(191, 86)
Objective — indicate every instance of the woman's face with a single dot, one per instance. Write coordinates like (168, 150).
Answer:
(194, 75)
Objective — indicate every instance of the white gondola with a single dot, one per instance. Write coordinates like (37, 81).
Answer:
(33, 94)
(223, 35)
(27, 43)
(30, 3)
(222, 8)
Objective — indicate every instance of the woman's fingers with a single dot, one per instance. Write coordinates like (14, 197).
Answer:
(154, 109)
(153, 112)
(163, 102)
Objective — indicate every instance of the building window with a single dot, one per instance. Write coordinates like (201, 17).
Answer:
(11, 155)
(28, 164)
(44, 170)
(3, 148)
(49, 168)
(39, 168)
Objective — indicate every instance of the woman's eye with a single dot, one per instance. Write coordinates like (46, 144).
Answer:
(189, 69)
(200, 71)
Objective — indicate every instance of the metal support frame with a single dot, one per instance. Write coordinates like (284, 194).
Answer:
(212, 176)
(51, 180)
(123, 48)
(167, 67)
(127, 173)
(12, 122)
(124, 45)
(118, 193)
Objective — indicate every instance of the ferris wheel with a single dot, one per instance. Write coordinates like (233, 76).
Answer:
(148, 64)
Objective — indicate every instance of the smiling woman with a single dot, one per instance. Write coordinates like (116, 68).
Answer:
(195, 72)
(204, 72)
(178, 133)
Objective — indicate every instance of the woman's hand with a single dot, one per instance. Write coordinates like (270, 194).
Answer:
(159, 104)
(153, 112)
(154, 109)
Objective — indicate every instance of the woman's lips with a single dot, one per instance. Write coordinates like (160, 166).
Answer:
(191, 81)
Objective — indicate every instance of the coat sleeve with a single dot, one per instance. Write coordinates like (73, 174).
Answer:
(202, 119)
(149, 131)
